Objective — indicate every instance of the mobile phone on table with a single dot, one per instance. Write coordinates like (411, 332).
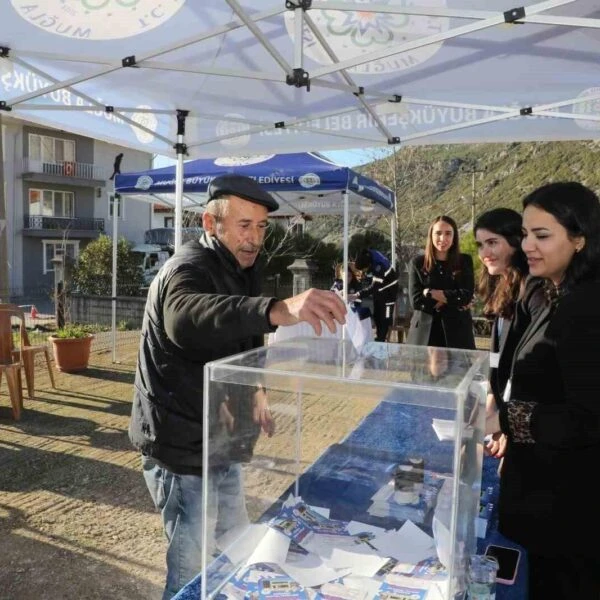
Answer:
(508, 559)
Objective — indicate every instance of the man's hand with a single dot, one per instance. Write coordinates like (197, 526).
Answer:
(261, 413)
(312, 306)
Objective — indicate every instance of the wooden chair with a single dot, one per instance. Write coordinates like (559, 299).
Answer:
(11, 359)
(29, 351)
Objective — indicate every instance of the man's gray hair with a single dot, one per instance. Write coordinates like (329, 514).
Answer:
(218, 208)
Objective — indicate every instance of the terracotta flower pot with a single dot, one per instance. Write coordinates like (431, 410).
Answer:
(71, 354)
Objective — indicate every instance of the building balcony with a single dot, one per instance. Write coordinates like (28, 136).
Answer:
(64, 171)
(58, 227)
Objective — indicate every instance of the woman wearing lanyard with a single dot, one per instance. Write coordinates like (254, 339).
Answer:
(552, 416)
(498, 234)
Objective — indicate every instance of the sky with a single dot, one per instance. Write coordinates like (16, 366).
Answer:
(345, 158)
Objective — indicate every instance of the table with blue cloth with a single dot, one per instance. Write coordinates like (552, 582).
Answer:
(347, 474)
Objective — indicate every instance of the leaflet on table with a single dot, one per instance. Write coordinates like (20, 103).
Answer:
(446, 430)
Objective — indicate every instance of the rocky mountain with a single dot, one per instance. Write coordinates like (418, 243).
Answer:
(434, 180)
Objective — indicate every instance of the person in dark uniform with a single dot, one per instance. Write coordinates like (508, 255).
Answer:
(383, 288)
(205, 304)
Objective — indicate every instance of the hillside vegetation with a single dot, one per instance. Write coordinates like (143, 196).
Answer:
(434, 180)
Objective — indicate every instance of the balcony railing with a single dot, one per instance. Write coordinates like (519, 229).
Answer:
(63, 223)
(64, 168)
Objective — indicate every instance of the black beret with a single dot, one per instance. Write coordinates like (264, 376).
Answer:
(242, 186)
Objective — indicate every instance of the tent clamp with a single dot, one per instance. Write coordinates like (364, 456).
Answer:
(528, 110)
(395, 98)
(303, 4)
(109, 109)
(514, 14)
(4, 51)
(393, 140)
(129, 61)
(300, 78)
(5, 106)
(181, 148)
(360, 92)
(280, 125)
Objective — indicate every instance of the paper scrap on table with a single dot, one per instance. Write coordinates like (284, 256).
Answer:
(238, 543)
(310, 571)
(409, 544)
(272, 548)
(362, 561)
(356, 527)
(446, 430)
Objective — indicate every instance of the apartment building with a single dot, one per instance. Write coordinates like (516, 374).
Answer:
(59, 196)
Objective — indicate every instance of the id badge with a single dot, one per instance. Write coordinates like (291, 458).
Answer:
(506, 395)
(494, 360)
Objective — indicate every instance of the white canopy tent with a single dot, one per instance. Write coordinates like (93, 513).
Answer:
(240, 77)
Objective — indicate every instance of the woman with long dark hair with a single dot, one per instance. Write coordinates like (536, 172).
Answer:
(498, 234)
(551, 415)
(440, 286)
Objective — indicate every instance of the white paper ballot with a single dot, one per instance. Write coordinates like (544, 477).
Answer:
(408, 544)
(358, 331)
(363, 561)
(446, 430)
(310, 571)
(239, 543)
(272, 548)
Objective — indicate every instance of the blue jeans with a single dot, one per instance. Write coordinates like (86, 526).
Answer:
(179, 500)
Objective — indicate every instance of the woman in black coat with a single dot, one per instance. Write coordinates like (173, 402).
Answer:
(552, 416)
(440, 288)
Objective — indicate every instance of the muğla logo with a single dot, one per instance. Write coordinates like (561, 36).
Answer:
(590, 107)
(309, 180)
(97, 19)
(144, 182)
(147, 120)
(354, 33)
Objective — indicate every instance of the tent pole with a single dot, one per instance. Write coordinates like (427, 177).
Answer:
(181, 149)
(116, 211)
(345, 266)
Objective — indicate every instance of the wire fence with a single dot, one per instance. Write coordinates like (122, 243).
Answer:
(97, 312)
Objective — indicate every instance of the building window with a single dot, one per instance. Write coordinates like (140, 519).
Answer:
(46, 149)
(115, 199)
(52, 247)
(51, 203)
(169, 222)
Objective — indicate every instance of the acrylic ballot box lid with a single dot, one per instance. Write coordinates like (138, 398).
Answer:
(377, 438)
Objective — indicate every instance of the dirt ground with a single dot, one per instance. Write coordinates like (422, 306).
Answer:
(76, 520)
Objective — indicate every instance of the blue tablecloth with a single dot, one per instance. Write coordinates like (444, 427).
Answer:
(359, 474)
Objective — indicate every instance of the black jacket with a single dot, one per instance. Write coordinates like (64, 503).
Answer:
(553, 424)
(526, 310)
(201, 306)
(457, 322)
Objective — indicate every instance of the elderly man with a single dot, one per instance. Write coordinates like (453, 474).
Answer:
(205, 304)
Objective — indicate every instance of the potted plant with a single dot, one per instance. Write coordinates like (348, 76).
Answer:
(71, 347)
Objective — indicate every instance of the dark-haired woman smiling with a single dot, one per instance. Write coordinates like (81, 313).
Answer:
(552, 417)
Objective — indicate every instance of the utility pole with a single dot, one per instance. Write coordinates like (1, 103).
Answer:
(472, 168)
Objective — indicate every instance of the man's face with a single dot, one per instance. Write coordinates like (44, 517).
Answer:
(241, 229)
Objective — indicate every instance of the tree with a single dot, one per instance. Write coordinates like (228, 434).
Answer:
(93, 272)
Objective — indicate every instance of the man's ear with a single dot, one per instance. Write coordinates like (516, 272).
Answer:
(209, 223)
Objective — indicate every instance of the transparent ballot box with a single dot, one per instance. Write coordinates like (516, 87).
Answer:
(360, 480)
